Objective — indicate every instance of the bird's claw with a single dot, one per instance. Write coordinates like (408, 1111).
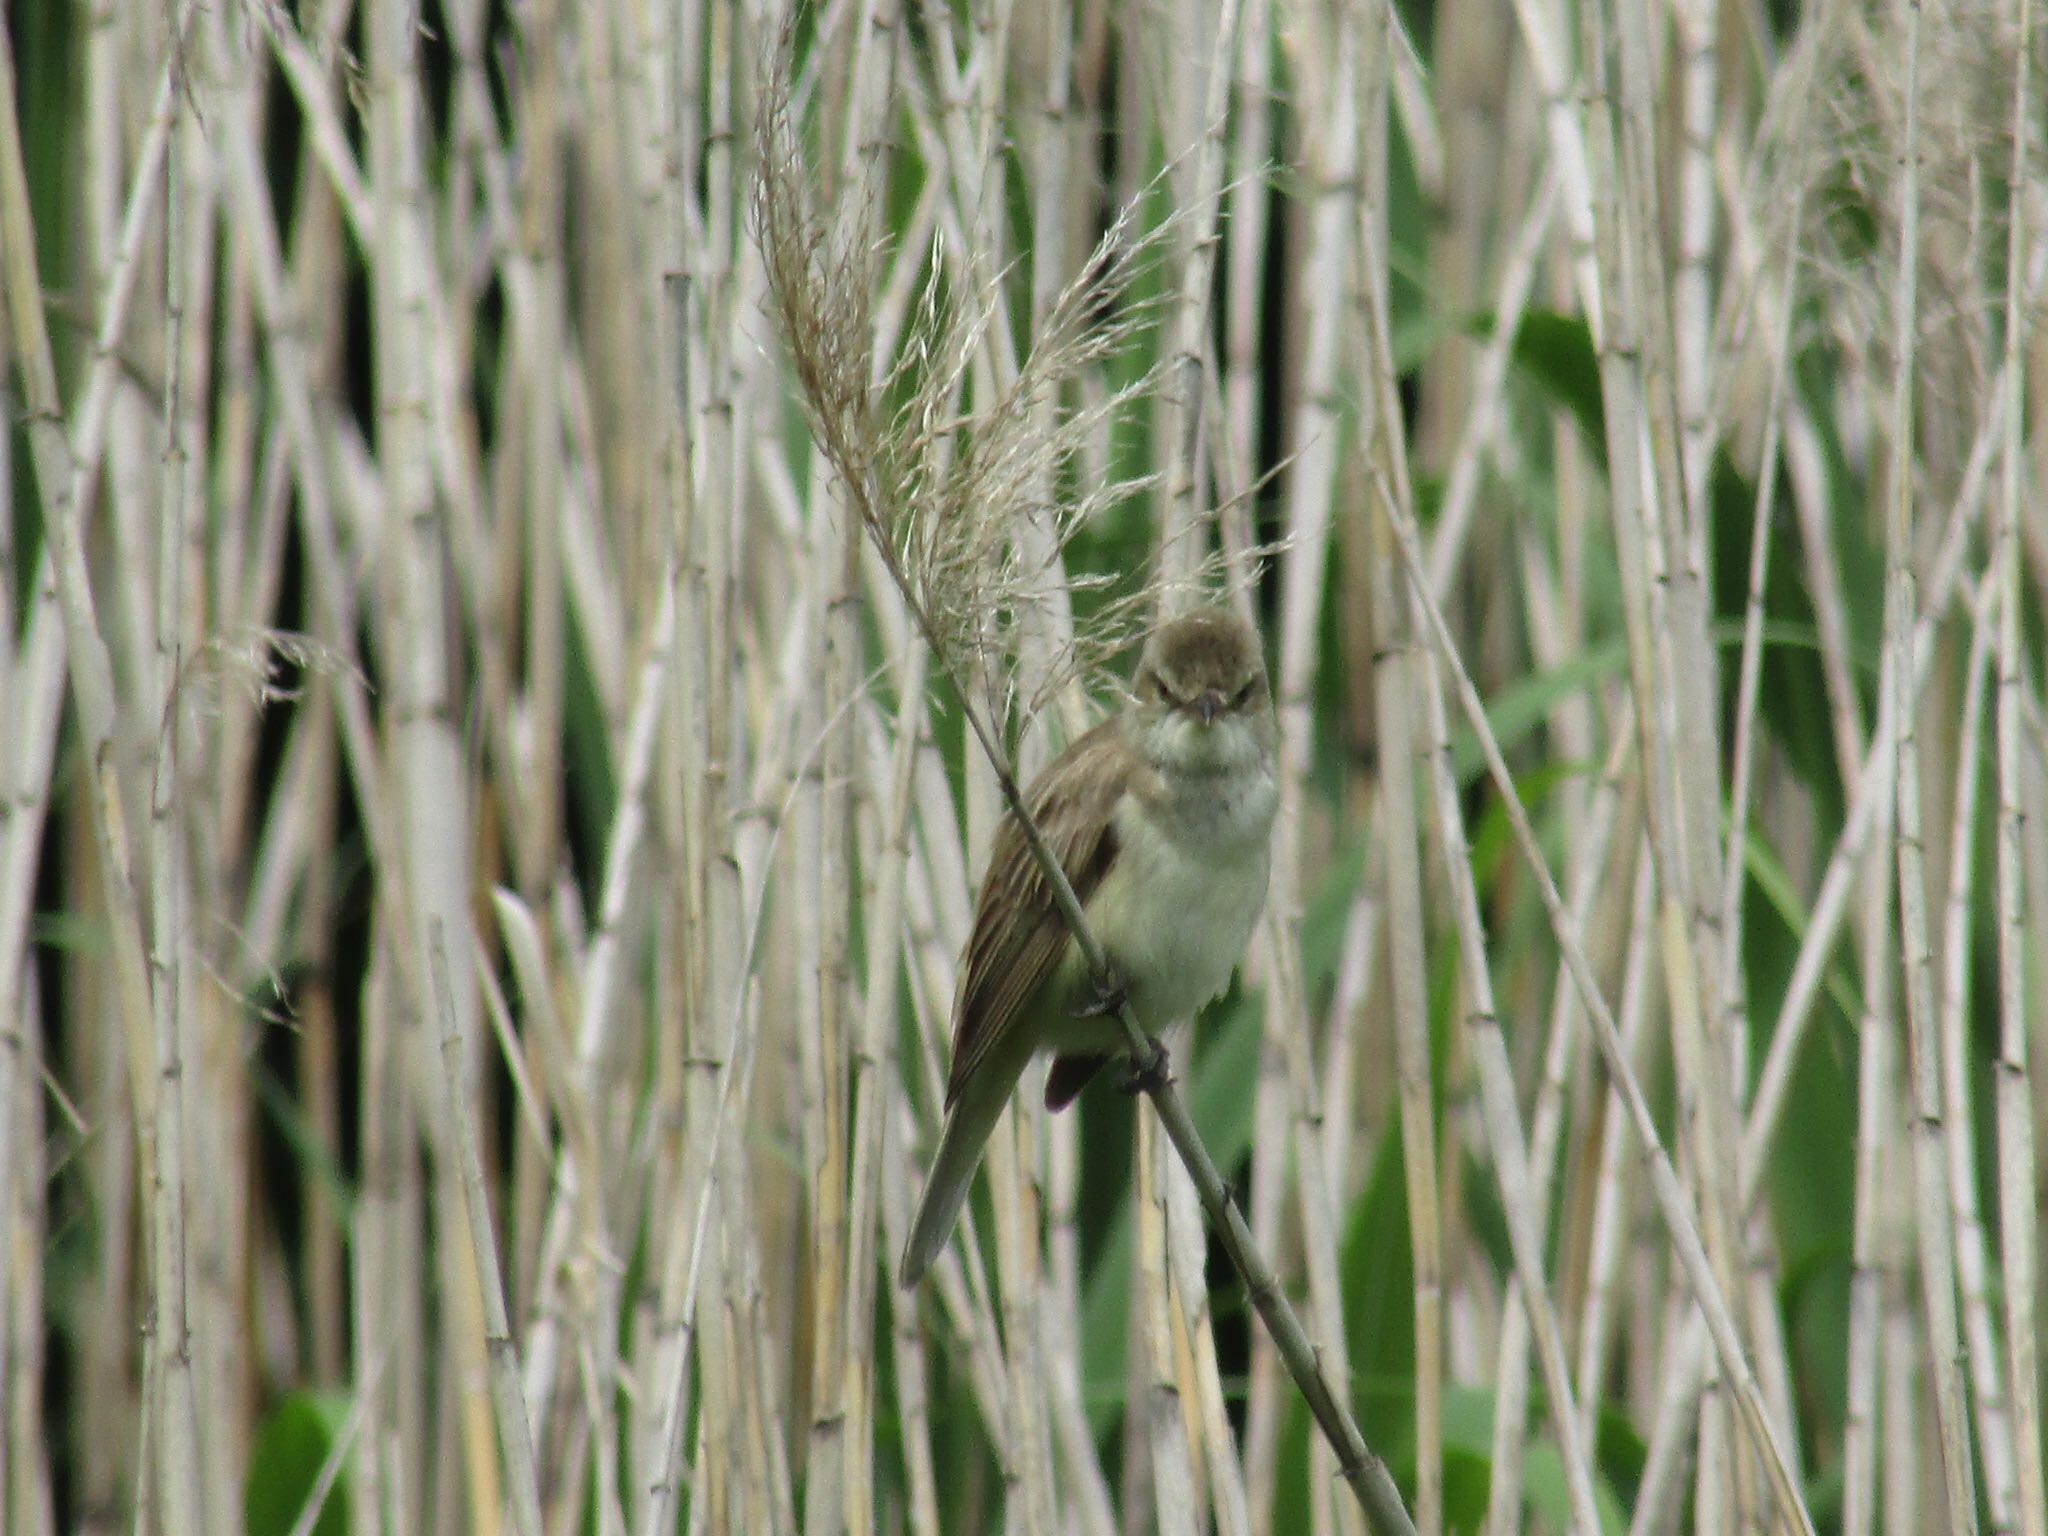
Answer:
(1111, 993)
(1147, 1073)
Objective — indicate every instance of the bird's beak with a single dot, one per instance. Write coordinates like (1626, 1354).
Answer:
(1209, 706)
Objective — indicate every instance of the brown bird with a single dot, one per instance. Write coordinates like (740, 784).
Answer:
(1162, 819)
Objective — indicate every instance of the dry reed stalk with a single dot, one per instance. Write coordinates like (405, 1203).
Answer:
(962, 146)
(840, 1279)
(541, 473)
(1330, 153)
(1876, 1097)
(1027, 1449)
(1547, 37)
(872, 1093)
(1805, 469)
(1900, 1429)
(452, 1054)
(1288, 1016)
(379, 1304)
(906, 1338)
(1606, 1228)
(1163, 1427)
(2017, 1163)
(1987, 1388)
(25, 1493)
(235, 534)
(827, 1020)
(198, 1377)
(1396, 687)
(1602, 822)
(1196, 138)
(1761, 1279)
(1696, 26)
(1510, 1152)
(1187, 1244)
(1247, 220)
(1922, 1054)
(1482, 421)
(1749, 679)
(1393, 691)
(1469, 72)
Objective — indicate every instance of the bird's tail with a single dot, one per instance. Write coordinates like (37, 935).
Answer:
(968, 1125)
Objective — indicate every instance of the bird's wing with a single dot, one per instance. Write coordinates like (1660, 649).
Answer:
(1019, 933)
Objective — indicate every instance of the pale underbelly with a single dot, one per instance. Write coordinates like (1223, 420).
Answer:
(1174, 929)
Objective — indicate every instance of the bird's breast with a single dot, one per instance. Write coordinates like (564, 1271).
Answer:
(1179, 905)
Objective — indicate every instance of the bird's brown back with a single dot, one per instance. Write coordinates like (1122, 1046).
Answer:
(1019, 933)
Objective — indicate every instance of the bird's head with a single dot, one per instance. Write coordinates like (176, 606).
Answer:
(1203, 701)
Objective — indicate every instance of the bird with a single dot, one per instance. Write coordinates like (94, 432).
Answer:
(1162, 818)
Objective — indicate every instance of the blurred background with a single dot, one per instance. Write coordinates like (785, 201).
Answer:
(484, 845)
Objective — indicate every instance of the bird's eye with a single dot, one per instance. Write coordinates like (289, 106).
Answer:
(1151, 685)
(1243, 695)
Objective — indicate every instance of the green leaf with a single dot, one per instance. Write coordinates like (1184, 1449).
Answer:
(1468, 1485)
(285, 1464)
(1468, 1458)
(1378, 1282)
(1620, 1451)
(1544, 1492)
(1792, 694)
(75, 933)
(1782, 898)
(1555, 352)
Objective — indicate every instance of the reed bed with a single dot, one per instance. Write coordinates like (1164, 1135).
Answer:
(520, 518)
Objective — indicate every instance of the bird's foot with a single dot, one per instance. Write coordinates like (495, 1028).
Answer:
(1148, 1073)
(1111, 993)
